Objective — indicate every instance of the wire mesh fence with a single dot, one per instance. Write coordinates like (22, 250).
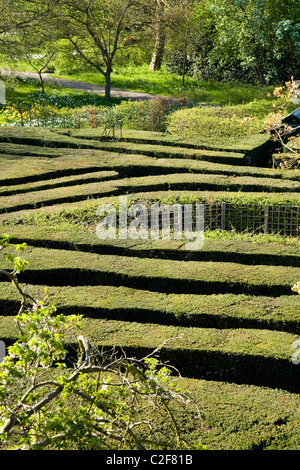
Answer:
(256, 218)
(195, 218)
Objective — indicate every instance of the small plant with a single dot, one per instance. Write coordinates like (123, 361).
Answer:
(296, 288)
(31, 114)
(92, 118)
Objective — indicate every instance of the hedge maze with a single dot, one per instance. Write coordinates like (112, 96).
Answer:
(229, 304)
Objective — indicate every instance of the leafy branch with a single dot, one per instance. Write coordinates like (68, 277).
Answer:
(105, 400)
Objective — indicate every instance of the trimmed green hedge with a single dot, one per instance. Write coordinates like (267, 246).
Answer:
(243, 417)
(76, 162)
(187, 310)
(81, 213)
(59, 194)
(216, 121)
(225, 121)
(231, 144)
(232, 300)
(218, 246)
(60, 182)
(253, 356)
(64, 267)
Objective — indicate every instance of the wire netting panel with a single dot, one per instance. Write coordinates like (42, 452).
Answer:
(212, 216)
(178, 220)
(255, 218)
(284, 220)
(244, 217)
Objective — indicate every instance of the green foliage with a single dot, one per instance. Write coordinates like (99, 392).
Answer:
(163, 83)
(19, 264)
(139, 115)
(57, 110)
(250, 41)
(30, 113)
(105, 401)
(229, 121)
(56, 107)
(257, 35)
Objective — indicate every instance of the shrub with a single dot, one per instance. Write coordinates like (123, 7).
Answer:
(209, 121)
(33, 114)
(148, 115)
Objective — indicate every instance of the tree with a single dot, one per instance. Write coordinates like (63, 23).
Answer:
(25, 31)
(160, 36)
(190, 41)
(174, 21)
(254, 34)
(11, 19)
(97, 29)
(40, 61)
(20, 15)
(106, 401)
(182, 22)
(186, 24)
(37, 45)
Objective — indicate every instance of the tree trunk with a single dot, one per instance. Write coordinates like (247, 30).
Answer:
(160, 39)
(158, 52)
(108, 83)
(185, 57)
(41, 81)
(260, 75)
(183, 70)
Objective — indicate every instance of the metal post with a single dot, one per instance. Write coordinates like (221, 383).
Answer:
(266, 219)
(223, 214)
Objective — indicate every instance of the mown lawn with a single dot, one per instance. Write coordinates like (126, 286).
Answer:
(138, 78)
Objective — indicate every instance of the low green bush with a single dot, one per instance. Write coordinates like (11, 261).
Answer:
(147, 115)
(249, 356)
(229, 121)
(243, 417)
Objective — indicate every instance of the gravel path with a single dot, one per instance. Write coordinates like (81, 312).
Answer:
(82, 86)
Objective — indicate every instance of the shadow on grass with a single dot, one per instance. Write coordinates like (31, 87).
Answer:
(160, 317)
(79, 277)
(208, 365)
(255, 259)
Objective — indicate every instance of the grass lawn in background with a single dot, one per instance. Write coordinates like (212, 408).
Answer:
(164, 83)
